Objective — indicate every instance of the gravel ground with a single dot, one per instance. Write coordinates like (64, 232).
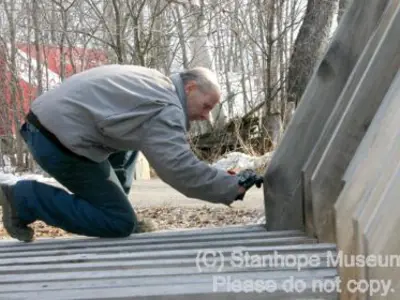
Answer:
(167, 218)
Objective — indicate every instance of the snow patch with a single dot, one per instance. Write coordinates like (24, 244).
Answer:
(240, 161)
(9, 178)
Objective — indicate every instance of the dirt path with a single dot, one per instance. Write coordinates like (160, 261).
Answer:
(154, 192)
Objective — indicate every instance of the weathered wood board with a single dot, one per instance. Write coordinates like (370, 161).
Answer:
(282, 187)
(379, 149)
(369, 206)
(340, 107)
(166, 265)
(363, 105)
(381, 237)
(369, 203)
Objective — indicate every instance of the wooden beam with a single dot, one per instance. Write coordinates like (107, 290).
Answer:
(380, 237)
(340, 107)
(363, 105)
(376, 200)
(376, 154)
(283, 188)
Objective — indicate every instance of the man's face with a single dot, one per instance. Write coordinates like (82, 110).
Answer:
(200, 104)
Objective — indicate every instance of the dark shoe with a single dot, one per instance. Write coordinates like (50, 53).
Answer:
(15, 228)
(145, 225)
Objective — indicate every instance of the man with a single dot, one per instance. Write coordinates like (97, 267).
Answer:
(86, 134)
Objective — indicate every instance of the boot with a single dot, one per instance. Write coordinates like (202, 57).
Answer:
(12, 224)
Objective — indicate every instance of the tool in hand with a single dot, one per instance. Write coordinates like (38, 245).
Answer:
(247, 178)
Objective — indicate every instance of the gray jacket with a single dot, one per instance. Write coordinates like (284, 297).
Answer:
(122, 107)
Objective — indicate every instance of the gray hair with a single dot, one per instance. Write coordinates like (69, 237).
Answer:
(206, 80)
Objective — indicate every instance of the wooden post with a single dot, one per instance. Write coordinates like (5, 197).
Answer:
(283, 188)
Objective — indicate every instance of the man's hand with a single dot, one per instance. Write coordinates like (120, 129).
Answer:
(247, 178)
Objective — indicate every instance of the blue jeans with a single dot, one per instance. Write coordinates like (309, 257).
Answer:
(97, 206)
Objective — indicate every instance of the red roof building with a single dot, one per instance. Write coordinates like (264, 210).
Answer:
(18, 90)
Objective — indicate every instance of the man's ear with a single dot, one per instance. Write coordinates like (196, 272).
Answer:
(190, 86)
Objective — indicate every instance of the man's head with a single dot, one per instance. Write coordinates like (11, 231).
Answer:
(202, 92)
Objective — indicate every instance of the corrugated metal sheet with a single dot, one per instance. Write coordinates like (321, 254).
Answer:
(166, 265)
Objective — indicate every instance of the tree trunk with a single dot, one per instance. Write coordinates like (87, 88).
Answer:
(181, 37)
(309, 44)
(201, 57)
(16, 93)
(36, 28)
(119, 51)
(272, 122)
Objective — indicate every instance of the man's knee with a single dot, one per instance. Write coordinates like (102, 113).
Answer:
(125, 226)
(125, 230)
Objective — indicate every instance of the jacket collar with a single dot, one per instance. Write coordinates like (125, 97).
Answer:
(177, 81)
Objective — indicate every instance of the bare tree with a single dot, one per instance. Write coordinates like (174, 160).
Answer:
(263, 54)
(16, 100)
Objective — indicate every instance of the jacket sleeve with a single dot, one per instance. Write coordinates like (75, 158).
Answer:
(164, 144)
